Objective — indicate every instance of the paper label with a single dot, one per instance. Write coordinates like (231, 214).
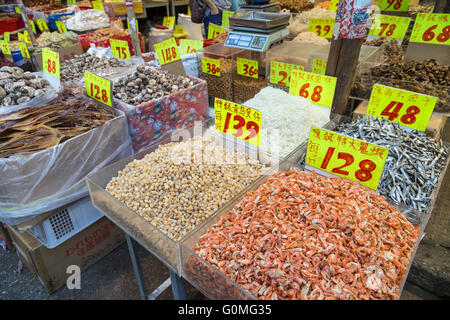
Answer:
(317, 88)
(409, 109)
(190, 46)
(168, 21)
(178, 30)
(33, 27)
(346, 157)
(237, 121)
(322, 27)
(4, 45)
(211, 66)
(24, 50)
(98, 88)
(393, 5)
(20, 36)
(226, 18)
(392, 27)
(247, 67)
(61, 26)
(6, 36)
(97, 5)
(189, 11)
(167, 51)
(120, 49)
(17, 9)
(42, 24)
(26, 37)
(280, 72)
(137, 25)
(319, 66)
(431, 28)
(214, 30)
(333, 5)
(71, 1)
(122, 9)
(50, 62)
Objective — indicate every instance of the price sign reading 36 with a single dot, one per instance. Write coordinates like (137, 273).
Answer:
(247, 67)
(98, 88)
(346, 157)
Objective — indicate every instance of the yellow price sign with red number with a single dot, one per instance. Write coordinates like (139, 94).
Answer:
(237, 121)
(4, 45)
(20, 36)
(346, 157)
(211, 66)
(226, 18)
(33, 27)
(393, 5)
(61, 26)
(42, 25)
(392, 27)
(6, 36)
(97, 5)
(167, 51)
(214, 30)
(431, 28)
(317, 88)
(24, 50)
(120, 49)
(333, 5)
(50, 62)
(71, 1)
(98, 88)
(26, 37)
(188, 46)
(168, 21)
(409, 109)
(322, 27)
(280, 72)
(17, 9)
(178, 30)
(319, 66)
(247, 67)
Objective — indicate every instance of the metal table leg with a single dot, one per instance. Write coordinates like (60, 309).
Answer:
(136, 267)
(178, 290)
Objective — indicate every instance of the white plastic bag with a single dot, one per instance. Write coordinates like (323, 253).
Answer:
(194, 30)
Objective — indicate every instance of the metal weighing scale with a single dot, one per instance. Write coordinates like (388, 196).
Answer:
(257, 31)
(269, 7)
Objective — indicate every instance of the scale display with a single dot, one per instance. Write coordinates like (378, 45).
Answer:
(246, 41)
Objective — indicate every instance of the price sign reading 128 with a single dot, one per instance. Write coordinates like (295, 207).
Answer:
(346, 157)
(98, 88)
(237, 121)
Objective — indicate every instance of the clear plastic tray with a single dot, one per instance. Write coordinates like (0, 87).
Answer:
(150, 237)
(245, 88)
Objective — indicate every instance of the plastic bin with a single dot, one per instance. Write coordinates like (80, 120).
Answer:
(245, 87)
(58, 17)
(66, 223)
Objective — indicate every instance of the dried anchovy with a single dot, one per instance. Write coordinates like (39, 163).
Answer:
(414, 162)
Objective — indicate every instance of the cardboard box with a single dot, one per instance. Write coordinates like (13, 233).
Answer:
(83, 250)
(65, 53)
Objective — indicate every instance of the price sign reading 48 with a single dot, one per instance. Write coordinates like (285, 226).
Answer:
(346, 157)
(120, 49)
(237, 121)
(317, 88)
(409, 109)
(247, 67)
(50, 62)
(431, 28)
(167, 51)
(98, 88)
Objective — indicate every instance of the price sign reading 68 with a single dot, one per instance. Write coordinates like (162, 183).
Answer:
(237, 121)
(346, 157)
(98, 88)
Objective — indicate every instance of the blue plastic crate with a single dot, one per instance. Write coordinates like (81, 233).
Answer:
(57, 17)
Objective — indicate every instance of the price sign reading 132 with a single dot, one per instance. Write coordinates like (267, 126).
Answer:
(98, 88)
(237, 121)
(346, 157)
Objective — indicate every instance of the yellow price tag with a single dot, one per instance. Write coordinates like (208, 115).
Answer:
(50, 62)
(71, 1)
(42, 24)
(4, 45)
(26, 37)
(20, 36)
(409, 109)
(333, 5)
(61, 26)
(322, 27)
(280, 72)
(168, 21)
(17, 9)
(178, 30)
(24, 50)
(167, 51)
(317, 88)
(393, 5)
(237, 121)
(188, 46)
(346, 157)
(319, 66)
(226, 18)
(33, 27)
(137, 25)
(97, 5)
(431, 28)
(189, 11)
(6, 36)
(247, 67)
(393, 27)
(120, 49)
(211, 66)
(214, 30)
(98, 88)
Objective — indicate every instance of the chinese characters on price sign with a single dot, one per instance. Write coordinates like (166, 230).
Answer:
(190, 46)
(167, 51)
(226, 18)
(98, 88)
(409, 109)
(33, 27)
(6, 36)
(333, 5)
(237, 121)
(214, 30)
(120, 49)
(71, 1)
(42, 25)
(317, 88)
(97, 5)
(20, 36)
(322, 27)
(50, 62)
(61, 26)
(24, 50)
(431, 28)
(319, 66)
(178, 30)
(26, 37)
(393, 5)
(247, 67)
(392, 27)
(211, 66)
(346, 157)
(17, 9)
(4, 45)
(168, 21)
(280, 72)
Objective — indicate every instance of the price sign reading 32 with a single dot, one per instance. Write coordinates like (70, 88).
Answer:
(237, 121)
(98, 88)
(346, 157)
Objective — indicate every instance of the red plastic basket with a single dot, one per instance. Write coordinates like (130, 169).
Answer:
(11, 24)
(86, 41)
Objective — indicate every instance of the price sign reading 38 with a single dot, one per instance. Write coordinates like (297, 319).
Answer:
(167, 51)
(237, 121)
(120, 49)
(346, 157)
(98, 88)
(409, 109)
(50, 62)
(211, 66)
(247, 67)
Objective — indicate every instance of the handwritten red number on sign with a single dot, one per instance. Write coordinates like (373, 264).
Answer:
(394, 114)
(104, 96)
(445, 35)
(391, 30)
(428, 35)
(364, 173)
(326, 29)
(238, 126)
(409, 117)
(397, 5)
(245, 68)
(318, 28)
(253, 129)
(284, 75)
(349, 159)
(174, 52)
(383, 28)
(327, 158)
(316, 95)
(303, 93)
